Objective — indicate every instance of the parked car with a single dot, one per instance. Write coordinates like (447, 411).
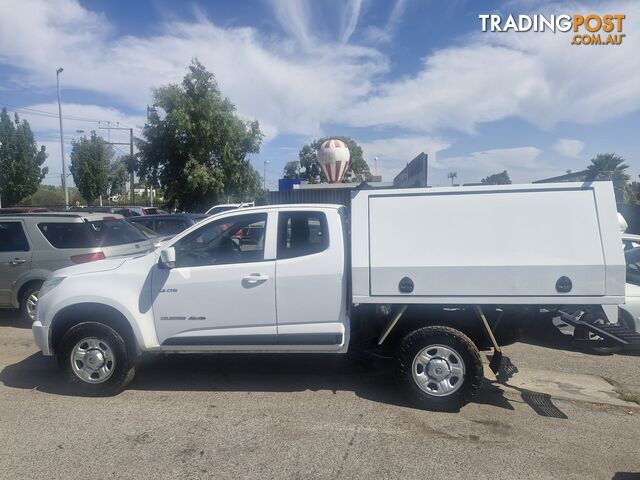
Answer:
(14, 210)
(33, 245)
(140, 211)
(226, 207)
(155, 238)
(169, 224)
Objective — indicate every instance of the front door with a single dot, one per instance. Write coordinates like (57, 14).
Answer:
(222, 291)
(15, 257)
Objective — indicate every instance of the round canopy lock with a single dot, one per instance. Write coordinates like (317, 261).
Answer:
(405, 285)
(564, 285)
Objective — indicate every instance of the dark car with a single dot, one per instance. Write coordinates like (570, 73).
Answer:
(140, 211)
(169, 224)
(16, 210)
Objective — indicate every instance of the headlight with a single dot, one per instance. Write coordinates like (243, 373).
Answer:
(49, 285)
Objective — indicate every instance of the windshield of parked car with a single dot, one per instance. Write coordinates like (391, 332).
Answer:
(146, 231)
(108, 233)
(632, 258)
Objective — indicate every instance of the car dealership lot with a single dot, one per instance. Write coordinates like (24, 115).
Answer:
(284, 416)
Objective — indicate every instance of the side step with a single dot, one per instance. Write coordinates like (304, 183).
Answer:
(616, 332)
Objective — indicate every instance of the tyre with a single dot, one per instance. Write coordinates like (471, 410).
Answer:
(440, 368)
(592, 343)
(28, 300)
(95, 360)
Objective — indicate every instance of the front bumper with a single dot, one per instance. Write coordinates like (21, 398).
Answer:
(41, 336)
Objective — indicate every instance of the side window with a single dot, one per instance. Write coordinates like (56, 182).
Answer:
(12, 237)
(67, 235)
(302, 233)
(237, 239)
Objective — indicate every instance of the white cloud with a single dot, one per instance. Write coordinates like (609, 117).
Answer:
(539, 77)
(394, 153)
(522, 163)
(314, 76)
(568, 147)
(286, 86)
(385, 33)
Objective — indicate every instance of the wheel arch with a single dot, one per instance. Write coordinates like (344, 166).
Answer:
(458, 317)
(25, 285)
(91, 312)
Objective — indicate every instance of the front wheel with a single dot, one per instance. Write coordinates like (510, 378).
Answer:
(95, 359)
(28, 301)
(440, 367)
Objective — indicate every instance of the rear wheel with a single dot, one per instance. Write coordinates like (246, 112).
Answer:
(440, 367)
(28, 301)
(95, 359)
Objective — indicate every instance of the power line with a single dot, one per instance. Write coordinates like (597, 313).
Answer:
(44, 113)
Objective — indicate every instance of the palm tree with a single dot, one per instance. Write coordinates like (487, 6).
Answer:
(609, 166)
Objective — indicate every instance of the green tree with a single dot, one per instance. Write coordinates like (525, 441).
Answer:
(90, 163)
(609, 166)
(199, 151)
(310, 168)
(501, 178)
(45, 195)
(117, 177)
(21, 161)
(291, 169)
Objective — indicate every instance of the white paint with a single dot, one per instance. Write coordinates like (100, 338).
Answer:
(478, 244)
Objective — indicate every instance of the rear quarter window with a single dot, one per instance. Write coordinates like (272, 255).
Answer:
(67, 235)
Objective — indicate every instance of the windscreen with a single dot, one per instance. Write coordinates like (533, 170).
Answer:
(107, 232)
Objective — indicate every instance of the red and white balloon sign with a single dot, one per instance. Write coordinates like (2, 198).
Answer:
(333, 157)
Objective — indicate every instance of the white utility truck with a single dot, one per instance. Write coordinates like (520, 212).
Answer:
(426, 276)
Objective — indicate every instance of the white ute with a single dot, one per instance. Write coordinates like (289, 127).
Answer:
(423, 276)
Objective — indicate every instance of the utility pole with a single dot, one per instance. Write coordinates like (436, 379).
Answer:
(151, 109)
(64, 170)
(264, 175)
(452, 176)
(131, 154)
(0, 190)
(130, 143)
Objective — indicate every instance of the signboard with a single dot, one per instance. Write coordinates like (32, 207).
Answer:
(414, 174)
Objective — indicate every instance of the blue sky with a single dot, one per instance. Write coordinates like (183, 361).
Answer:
(400, 76)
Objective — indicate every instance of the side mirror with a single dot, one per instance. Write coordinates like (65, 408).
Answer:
(168, 258)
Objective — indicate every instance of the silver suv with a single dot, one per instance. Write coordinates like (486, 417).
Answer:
(33, 245)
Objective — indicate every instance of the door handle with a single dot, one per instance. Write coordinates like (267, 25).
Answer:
(255, 278)
(17, 261)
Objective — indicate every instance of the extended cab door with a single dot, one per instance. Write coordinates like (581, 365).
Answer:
(311, 285)
(15, 257)
(222, 291)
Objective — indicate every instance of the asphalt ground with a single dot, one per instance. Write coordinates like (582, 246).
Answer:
(560, 415)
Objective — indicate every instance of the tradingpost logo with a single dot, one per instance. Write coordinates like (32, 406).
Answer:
(589, 29)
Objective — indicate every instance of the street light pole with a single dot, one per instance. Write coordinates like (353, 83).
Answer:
(264, 175)
(64, 170)
(0, 190)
